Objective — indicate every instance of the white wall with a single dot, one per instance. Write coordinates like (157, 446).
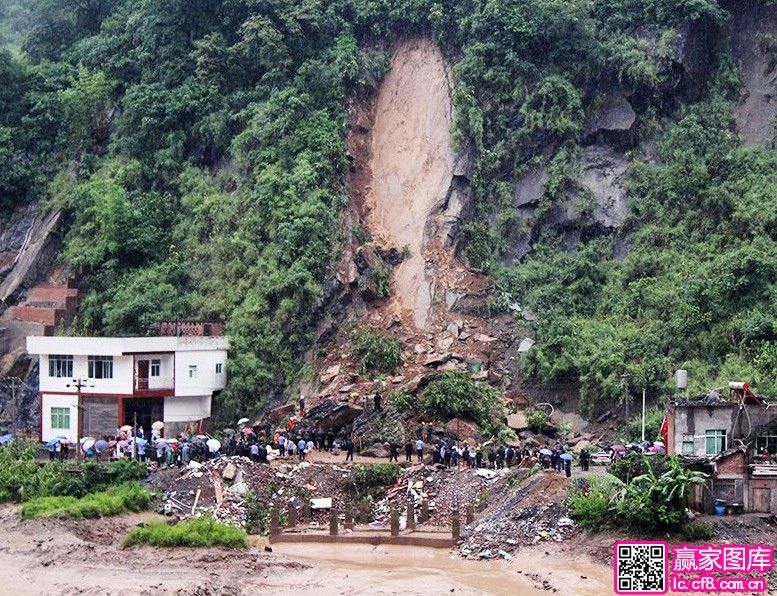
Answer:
(58, 401)
(207, 379)
(165, 378)
(187, 409)
(120, 383)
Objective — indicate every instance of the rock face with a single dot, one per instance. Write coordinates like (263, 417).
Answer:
(602, 175)
(331, 415)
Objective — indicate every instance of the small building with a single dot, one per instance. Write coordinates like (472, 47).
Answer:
(126, 379)
(728, 437)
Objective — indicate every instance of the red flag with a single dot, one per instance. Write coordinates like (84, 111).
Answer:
(664, 432)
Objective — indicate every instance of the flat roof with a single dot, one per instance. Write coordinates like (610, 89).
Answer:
(120, 346)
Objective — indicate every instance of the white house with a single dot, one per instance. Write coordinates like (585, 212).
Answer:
(164, 378)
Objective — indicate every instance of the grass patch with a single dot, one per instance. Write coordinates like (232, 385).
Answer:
(114, 501)
(197, 531)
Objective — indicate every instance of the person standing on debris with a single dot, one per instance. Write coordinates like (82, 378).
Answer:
(330, 440)
(301, 448)
(454, 463)
(309, 446)
(500, 457)
(301, 406)
(479, 456)
(254, 450)
(419, 449)
(377, 399)
(394, 451)
(568, 467)
(584, 458)
(409, 450)
(509, 455)
(185, 453)
(348, 449)
(261, 454)
(281, 445)
(492, 458)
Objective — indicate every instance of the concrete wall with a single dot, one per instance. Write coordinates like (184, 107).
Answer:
(121, 382)
(207, 379)
(58, 401)
(696, 420)
(186, 409)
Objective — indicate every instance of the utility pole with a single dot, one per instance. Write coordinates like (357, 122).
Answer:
(626, 397)
(78, 384)
(643, 414)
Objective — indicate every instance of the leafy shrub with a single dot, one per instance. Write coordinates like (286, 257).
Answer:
(652, 502)
(402, 400)
(372, 479)
(257, 516)
(195, 532)
(455, 395)
(114, 501)
(592, 500)
(698, 531)
(538, 420)
(636, 464)
(376, 352)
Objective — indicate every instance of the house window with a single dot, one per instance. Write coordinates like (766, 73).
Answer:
(156, 365)
(100, 367)
(715, 441)
(60, 418)
(60, 365)
(219, 368)
(767, 441)
(687, 445)
(192, 371)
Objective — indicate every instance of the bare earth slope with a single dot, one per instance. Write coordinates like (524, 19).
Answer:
(412, 161)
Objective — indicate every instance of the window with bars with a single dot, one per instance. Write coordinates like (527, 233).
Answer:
(192, 371)
(60, 418)
(60, 365)
(219, 368)
(156, 367)
(100, 367)
(715, 441)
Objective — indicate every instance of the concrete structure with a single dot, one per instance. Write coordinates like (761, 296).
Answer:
(727, 438)
(164, 378)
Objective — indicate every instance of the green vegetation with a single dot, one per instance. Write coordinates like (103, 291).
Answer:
(635, 464)
(196, 532)
(376, 352)
(114, 501)
(653, 419)
(698, 531)
(650, 502)
(198, 150)
(21, 474)
(372, 479)
(538, 420)
(455, 395)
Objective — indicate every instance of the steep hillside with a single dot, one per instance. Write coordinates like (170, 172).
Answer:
(443, 182)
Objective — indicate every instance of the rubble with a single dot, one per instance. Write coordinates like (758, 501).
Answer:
(533, 512)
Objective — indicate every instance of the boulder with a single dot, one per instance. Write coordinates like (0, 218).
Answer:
(437, 359)
(482, 337)
(531, 186)
(517, 421)
(580, 445)
(525, 345)
(445, 343)
(454, 329)
(282, 412)
(462, 430)
(229, 472)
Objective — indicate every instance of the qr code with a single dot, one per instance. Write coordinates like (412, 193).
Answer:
(640, 568)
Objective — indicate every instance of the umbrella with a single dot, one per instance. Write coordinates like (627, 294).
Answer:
(618, 448)
(126, 428)
(56, 440)
(140, 442)
(160, 443)
(213, 445)
(546, 452)
(228, 431)
(85, 439)
(171, 440)
(101, 445)
(248, 430)
(122, 444)
(658, 444)
(7, 438)
(158, 425)
(87, 445)
(567, 456)
(242, 421)
(111, 443)
(202, 437)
